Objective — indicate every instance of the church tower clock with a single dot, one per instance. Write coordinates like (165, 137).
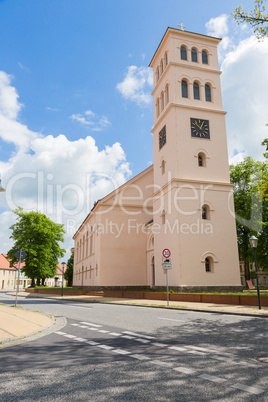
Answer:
(193, 200)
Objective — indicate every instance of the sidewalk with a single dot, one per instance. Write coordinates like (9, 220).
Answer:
(16, 322)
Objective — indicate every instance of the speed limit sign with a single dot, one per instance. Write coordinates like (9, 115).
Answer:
(166, 253)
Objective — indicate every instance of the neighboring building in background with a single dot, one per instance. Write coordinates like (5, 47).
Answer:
(57, 279)
(262, 275)
(9, 275)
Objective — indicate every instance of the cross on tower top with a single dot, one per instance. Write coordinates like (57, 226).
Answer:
(181, 26)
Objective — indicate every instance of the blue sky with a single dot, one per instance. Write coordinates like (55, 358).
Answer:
(75, 95)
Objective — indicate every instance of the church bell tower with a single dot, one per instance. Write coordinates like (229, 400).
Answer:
(193, 208)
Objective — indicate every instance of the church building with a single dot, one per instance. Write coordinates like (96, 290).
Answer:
(183, 203)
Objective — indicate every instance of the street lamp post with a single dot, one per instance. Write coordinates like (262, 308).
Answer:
(62, 270)
(254, 242)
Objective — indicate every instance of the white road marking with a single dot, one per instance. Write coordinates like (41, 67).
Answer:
(60, 333)
(92, 329)
(139, 357)
(121, 351)
(80, 339)
(139, 335)
(142, 340)
(106, 347)
(160, 345)
(162, 364)
(70, 336)
(92, 325)
(92, 343)
(195, 352)
(212, 378)
(114, 334)
(251, 390)
(180, 349)
(82, 326)
(184, 370)
(128, 337)
(75, 325)
(103, 331)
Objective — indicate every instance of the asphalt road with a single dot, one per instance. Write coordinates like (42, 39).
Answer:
(129, 353)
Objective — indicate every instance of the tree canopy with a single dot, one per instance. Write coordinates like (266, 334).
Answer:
(257, 17)
(39, 237)
(251, 208)
(68, 275)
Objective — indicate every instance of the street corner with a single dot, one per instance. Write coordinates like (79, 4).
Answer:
(21, 325)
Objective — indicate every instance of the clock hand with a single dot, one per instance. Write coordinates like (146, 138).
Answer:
(201, 125)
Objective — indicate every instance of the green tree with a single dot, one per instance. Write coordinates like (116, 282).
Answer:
(251, 209)
(68, 275)
(257, 18)
(39, 237)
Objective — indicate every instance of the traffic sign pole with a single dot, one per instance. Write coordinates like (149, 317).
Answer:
(18, 279)
(167, 289)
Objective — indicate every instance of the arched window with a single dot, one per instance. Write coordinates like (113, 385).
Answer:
(162, 66)
(162, 101)
(157, 108)
(157, 74)
(200, 160)
(166, 59)
(208, 93)
(204, 57)
(183, 53)
(163, 216)
(194, 55)
(163, 167)
(196, 91)
(205, 212)
(184, 89)
(208, 264)
(167, 94)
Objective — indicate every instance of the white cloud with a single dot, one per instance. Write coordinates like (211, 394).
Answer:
(244, 83)
(137, 85)
(91, 120)
(218, 26)
(56, 176)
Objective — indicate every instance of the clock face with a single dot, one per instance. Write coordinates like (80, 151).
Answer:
(162, 137)
(200, 128)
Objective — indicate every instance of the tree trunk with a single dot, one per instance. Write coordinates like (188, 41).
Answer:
(33, 283)
(38, 281)
(43, 281)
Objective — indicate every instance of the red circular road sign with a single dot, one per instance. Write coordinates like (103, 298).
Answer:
(166, 253)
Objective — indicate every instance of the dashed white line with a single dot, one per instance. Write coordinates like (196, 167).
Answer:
(251, 390)
(212, 378)
(80, 339)
(121, 351)
(128, 337)
(179, 348)
(106, 347)
(142, 340)
(160, 345)
(162, 364)
(139, 335)
(92, 343)
(114, 334)
(60, 333)
(70, 336)
(139, 357)
(184, 370)
(92, 329)
(170, 319)
(90, 323)
(103, 331)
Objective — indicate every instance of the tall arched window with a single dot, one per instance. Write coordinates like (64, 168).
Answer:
(196, 91)
(167, 94)
(183, 53)
(205, 212)
(163, 167)
(208, 264)
(166, 59)
(200, 160)
(204, 57)
(184, 89)
(194, 55)
(208, 93)
(163, 216)
(162, 101)
(162, 66)
(157, 108)
(157, 74)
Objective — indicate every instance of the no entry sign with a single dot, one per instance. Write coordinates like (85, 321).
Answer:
(166, 253)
